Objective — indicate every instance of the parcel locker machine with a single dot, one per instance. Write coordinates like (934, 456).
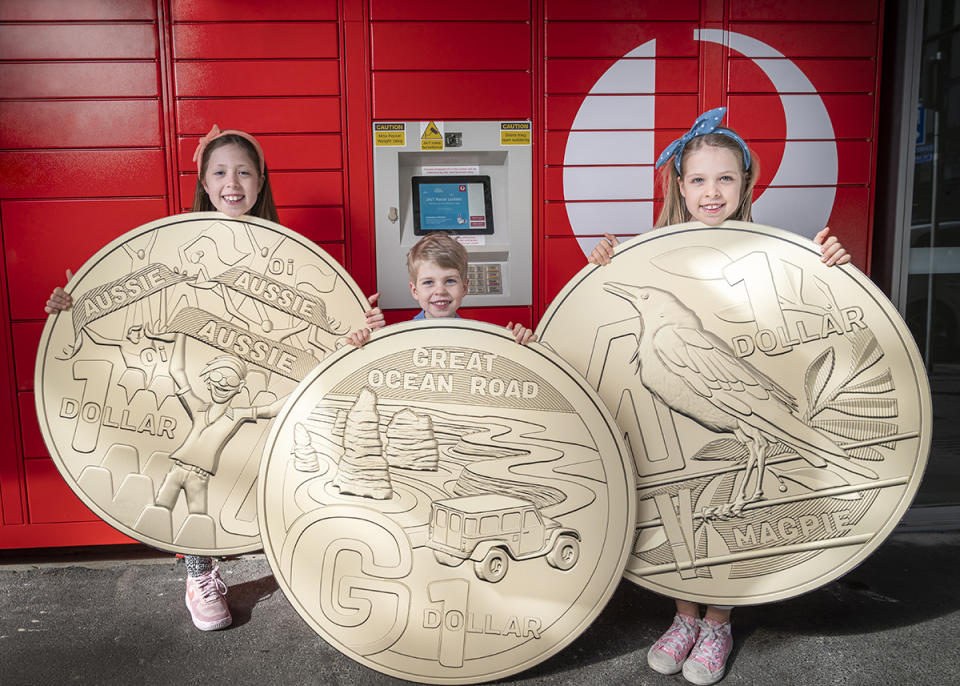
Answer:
(471, 179)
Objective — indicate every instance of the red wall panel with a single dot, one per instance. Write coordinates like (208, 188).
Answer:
(320, 224)
(336, 251)
(622, 9)
(79, 123)
(77, 227)
(850, 222)
(49, 499)
(854, 156)
(851, 115)
(672, 111)
(493, 10)
(450, 45)
(26, 338)
(88, 10)
(77, 41)
(606, 39)
(562, 259)
(815, 40)
(32, 439)
(78, 79)
(252, 10)
(579, 76)
(451, 95)
(61, 534)
(827, 76)
(254, 40)
(824, 10)
(260, 115)
(82, 173)
(289, 188)
(267, 78)
(317, 151)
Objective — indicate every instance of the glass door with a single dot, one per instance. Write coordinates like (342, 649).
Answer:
(932, 299)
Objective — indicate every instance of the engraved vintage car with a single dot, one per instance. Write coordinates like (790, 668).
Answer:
(490, 529)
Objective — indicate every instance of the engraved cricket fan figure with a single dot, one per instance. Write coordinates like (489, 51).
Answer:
(778, 413)
(445, 505)
(156, 391)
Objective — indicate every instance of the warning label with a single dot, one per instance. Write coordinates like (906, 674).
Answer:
(515, 133)
(389, 134)
(431, 137)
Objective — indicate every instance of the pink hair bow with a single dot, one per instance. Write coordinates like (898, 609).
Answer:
(216, 133)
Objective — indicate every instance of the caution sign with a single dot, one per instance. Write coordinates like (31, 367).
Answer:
(431, 135)
(515, 133)
(391, 134)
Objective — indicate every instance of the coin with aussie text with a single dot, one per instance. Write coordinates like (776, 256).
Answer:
(777, 410)
(445, 505)
(155, 392)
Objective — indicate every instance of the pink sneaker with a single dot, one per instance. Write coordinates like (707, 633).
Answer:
(668, 653)
(206, 603)
(708, 659)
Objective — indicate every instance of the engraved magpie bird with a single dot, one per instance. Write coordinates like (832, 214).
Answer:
(695, 373)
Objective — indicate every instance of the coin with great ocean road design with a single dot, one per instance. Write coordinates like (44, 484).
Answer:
(445, 505)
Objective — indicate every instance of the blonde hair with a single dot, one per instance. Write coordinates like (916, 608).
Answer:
(440, 249)
(675, 209)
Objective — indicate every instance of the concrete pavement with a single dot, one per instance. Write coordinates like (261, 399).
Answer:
(117, 617)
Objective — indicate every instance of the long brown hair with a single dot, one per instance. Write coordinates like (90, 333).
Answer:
(675, 209)
(264, 208)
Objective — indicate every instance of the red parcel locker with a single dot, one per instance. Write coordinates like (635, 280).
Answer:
(102, 103)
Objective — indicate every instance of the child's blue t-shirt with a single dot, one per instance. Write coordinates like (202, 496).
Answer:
(423, 315)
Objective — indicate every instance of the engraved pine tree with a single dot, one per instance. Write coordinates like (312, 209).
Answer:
(695, 373)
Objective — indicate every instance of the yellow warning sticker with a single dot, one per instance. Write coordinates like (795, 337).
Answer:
(389, 134)
(515, 133)
(431, 137)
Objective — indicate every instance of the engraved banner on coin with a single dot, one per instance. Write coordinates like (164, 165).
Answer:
(777, 410)
(445, 505)
(155, 392)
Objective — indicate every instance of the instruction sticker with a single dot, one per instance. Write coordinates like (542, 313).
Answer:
(515, 133)
(431, 135)
(446, 170)
(390, 134)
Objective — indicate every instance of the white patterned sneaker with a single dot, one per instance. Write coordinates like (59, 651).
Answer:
(708, 659)
(668, 653)
(205, 601)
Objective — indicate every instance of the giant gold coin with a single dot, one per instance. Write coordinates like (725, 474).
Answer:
(445, 505)
(777, 410)
(156, 391)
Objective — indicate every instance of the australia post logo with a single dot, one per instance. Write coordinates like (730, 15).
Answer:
(608, 175)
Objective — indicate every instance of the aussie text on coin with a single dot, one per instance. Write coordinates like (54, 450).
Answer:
(156, 391)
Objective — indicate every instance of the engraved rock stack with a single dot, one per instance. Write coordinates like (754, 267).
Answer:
(304, 454)
(411, 443)
(363, 469)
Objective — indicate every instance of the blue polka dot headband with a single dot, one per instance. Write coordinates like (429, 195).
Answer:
(705, 123)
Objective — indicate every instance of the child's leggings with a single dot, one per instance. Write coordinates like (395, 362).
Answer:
(198, 565)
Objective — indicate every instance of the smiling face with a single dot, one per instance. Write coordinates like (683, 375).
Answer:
(232, 180)
(711, 184)
(439, 290)
(223, 383)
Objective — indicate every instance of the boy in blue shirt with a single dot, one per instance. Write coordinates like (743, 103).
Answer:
(437, 265)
